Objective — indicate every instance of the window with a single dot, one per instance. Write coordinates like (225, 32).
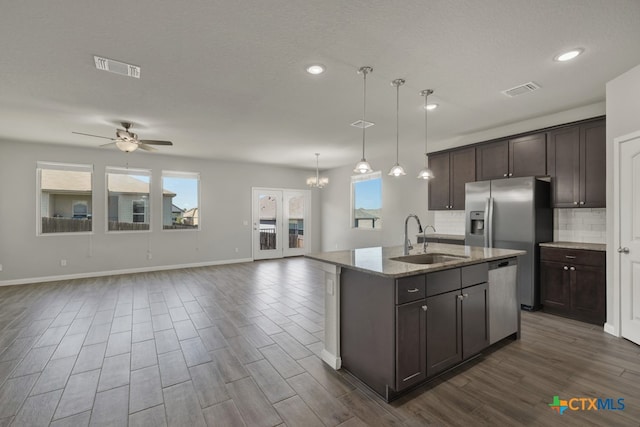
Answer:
(180, 200)
(366, 201)
(65, 193)
(128, 199)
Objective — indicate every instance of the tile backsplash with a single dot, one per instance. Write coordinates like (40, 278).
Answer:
(582, 225)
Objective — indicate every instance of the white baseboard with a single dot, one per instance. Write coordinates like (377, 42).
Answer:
(331, 360)
(611, 329)
(117, 272)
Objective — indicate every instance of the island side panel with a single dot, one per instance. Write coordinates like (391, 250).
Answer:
(331, 352)
(367, 328)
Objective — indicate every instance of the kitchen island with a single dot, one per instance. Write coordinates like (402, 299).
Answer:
(396, 321)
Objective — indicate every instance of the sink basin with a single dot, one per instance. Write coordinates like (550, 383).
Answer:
(430, 258)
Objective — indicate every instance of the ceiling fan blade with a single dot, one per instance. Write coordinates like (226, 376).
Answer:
(155, 142)
(95, 136)
(146, 147)
(108, 145)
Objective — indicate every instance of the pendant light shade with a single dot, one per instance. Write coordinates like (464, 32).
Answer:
(363, 166)
(425, 173)
(317, 181)
(397, 170)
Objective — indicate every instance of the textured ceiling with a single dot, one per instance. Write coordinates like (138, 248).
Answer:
(226, 79)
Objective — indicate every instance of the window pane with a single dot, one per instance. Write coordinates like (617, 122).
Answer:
(367, 201)
(65, 198)
(180, 200)
(128, 201)
(296, 222)
(268, 215)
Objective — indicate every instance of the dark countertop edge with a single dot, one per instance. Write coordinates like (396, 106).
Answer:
(599, 247)
(431, 269)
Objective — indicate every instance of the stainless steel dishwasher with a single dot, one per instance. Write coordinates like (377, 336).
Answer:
(503, 299)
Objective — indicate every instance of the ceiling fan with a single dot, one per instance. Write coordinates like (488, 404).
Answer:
(128, 141)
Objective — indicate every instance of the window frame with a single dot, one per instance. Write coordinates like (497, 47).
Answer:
(354, 180)
(148, 206)
(71, 167)
(182, 175)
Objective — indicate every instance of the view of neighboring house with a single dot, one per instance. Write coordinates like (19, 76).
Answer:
(190, 217)
(176, 214)
(367, 218)
(65, 194)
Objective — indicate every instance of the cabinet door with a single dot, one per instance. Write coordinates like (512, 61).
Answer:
(554, 286)
(588, 299)
(439, 184)
(564, 166)
(528, 155)
(492, 160)
(475, 320)
(411, 344)
(462, 170)
(444, 338)
(593, 165)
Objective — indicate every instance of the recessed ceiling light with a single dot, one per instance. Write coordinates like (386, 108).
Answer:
(567, 56)
(430, 107)
(315, 69)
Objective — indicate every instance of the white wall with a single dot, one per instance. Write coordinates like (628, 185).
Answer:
(623, 107)
(400, 197)
(225, 203)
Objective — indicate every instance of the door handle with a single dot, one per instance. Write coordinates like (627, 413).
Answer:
(623, 250)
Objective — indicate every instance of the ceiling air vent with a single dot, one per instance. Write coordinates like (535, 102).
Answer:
(360, 124)
(117, 67)
(520, 89)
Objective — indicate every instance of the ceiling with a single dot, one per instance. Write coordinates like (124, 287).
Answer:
(227, 80)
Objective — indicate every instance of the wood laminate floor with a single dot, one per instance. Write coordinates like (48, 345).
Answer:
(238, 345)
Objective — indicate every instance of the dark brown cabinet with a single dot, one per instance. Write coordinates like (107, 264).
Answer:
(516, 157)
(451, 170)
(475, 320)
(444, 319)
(573, 283)
(576, 160)
(411, 344)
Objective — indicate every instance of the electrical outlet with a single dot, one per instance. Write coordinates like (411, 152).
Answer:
(63, 263)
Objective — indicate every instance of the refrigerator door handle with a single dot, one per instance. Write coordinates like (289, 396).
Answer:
(487, 224)
(490, 220)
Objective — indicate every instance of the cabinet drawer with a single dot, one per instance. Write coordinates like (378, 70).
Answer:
(410, 289)
(443, 281)
(574, 256)
(474, 274)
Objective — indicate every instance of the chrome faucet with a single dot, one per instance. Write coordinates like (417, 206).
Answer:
(424, 237)
(407, 243)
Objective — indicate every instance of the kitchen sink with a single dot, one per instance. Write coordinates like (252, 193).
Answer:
(430, 258)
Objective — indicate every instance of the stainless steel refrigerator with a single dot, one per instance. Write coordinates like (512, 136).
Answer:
(512, 213)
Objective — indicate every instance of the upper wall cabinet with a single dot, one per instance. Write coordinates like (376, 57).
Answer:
(523, 156)
(577, 165)
(451, 170)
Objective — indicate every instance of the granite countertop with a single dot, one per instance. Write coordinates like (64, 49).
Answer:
(576, 245)
(377, 260)
(444, 236)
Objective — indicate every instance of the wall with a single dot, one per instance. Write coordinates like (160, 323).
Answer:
(225, 203)
(400, 197)
(623, 104)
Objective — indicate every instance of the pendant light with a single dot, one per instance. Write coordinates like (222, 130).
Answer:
(363, 166)
(317, 181)
(397, 170)
(425, 173)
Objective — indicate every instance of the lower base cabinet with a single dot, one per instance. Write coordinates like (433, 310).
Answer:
(411, 344)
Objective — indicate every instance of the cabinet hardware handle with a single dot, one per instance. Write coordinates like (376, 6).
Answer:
(570, 256)
(411, 376)
(424, 307)
(575, 203)
(623, 250)
(412, 290)
(572, 268)
(465, 295)
(505, 175)
(582, 203)
(510, 174)
(565, 268)
(460, 297)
